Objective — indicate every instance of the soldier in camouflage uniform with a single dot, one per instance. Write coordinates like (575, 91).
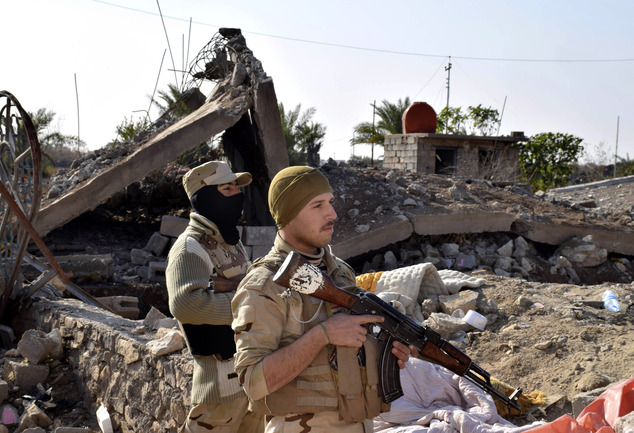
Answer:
(211, 246)
(299, 358)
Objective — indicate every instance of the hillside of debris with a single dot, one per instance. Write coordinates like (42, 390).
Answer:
(546, 326)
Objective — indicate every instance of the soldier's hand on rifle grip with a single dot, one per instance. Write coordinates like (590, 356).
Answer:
(348, 329)
(402, 352)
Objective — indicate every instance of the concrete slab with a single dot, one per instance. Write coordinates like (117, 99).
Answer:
(621, 242)
(397, 230)
(209, 120)
(462, 223)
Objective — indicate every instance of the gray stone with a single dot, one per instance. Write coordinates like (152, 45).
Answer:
(446, 325)
(85, 267)
(450, 249)
(464, 300)
(140, 257)
(36, 345)
(8, 415)
(152, 317)
(170, 342)
(157, 244)
(506, 250)
(156, 271)
(416, 189)
(625, 424)
(389, 260)
(465, 261)
(33, 418)
(124, 306)
(173, 226)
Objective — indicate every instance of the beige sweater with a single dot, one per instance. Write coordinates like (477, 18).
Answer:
(190, 265)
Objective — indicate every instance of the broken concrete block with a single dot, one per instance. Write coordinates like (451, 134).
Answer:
(84, 267)
(581, 400)
(447, 326)
(170, 342)
(153, 316)
(464, 300)
(173, 226)
(33, 416)
(157, 244)
(466, 261)
(259, 235)
(168, 322)
(24, 376)
(156, 271)
(140, 257)
(124, 306)
(36, 345)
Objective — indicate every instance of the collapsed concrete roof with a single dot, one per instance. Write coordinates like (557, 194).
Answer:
(243, 95)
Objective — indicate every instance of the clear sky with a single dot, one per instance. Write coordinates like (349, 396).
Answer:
(547, 66)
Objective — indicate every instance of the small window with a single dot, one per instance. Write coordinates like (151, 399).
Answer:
(445, 161)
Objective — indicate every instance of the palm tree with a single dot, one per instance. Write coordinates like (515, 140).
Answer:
(303, 137)
(390, 122)
(173, 99)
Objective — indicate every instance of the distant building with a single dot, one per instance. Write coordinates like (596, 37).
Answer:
(479, 157)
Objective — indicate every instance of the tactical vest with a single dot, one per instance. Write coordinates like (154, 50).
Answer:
(334, 381)
(229, 262)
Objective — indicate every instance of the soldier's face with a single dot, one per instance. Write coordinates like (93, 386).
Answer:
(313, 226)
(229, 189)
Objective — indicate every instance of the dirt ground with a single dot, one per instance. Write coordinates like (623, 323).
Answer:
(552, 337)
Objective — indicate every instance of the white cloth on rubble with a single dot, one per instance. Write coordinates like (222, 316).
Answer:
(405, 288)
(435, 400)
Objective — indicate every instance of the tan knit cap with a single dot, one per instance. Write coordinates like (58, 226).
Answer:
(291, 189)
(212, 173)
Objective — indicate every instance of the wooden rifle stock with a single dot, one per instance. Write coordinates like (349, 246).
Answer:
(299, 275)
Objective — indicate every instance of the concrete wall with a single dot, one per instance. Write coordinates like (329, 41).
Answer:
(417, 152)
(109, 355)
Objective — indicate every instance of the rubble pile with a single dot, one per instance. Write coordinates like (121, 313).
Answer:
(546, 328)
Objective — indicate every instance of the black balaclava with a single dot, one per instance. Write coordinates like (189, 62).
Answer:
(222, 211)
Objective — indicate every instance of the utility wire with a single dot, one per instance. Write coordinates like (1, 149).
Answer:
(377, 50)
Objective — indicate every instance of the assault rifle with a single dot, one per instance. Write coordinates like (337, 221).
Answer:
(298, 274)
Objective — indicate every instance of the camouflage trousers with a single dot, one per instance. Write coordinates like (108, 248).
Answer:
(322, 422)
(223, 418)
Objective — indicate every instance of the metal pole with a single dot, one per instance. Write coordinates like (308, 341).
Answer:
(373, 132)
(616, 149)
(77, 98)
(448, 69)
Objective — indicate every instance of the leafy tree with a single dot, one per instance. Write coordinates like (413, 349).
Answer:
(483, 120)
(477, 120)
(390, 122)
(547, 159)
(128, 129)
(57, 149)
(303, 137)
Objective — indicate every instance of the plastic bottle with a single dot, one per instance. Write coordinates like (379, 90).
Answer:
(610, 301)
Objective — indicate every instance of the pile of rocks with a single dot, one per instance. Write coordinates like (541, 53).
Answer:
(504, 255)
